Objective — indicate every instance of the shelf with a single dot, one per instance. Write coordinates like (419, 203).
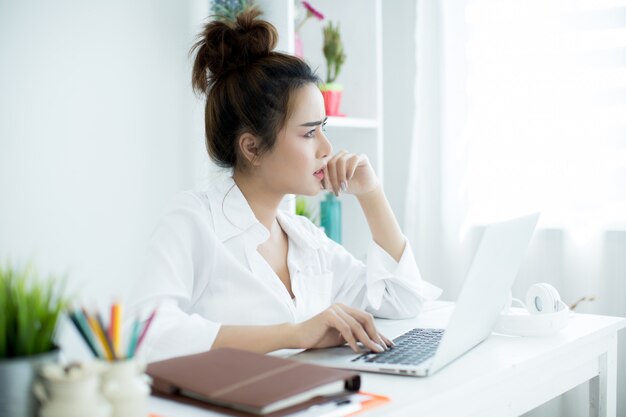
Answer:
(355, 122)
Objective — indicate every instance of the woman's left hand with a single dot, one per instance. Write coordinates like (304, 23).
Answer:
(349, 173)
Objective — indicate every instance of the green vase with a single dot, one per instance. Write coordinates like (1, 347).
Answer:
(330, 217)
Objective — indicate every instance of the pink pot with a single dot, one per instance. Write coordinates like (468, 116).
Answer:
(299, 52)
(332, 101)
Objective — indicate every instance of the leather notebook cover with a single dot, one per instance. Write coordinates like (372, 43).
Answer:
(243, 380)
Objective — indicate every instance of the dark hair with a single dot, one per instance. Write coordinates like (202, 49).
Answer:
(248, 86)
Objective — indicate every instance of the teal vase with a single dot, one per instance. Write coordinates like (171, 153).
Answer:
(330, 217)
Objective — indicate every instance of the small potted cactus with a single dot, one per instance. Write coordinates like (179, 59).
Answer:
(335, 58)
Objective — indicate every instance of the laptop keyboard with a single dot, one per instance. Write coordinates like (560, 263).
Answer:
(412, 348)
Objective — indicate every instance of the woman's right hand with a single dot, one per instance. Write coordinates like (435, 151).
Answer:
(340, 324)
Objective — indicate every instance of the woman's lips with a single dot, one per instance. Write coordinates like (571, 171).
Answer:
(319, 174)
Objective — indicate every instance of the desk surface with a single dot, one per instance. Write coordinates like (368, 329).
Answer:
(503, 376)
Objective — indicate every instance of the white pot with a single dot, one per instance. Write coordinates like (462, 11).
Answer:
(78, 398)
(126, 386)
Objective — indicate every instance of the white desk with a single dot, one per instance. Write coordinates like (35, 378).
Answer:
(503, 376)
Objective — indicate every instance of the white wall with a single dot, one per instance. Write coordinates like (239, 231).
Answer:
(398, 97)
(98, 129)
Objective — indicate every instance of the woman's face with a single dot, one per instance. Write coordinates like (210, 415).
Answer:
(295, 164)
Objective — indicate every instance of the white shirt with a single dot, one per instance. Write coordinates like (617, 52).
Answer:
(204, 270)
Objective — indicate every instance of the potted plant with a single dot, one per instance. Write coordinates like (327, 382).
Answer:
(229, 9)
(31, 308)
(305, 207)
(335, 58)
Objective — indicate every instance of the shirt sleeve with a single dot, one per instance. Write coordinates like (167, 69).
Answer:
(381, 286)
(175, 273)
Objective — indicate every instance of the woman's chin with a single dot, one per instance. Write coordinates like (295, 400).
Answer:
(312, 191)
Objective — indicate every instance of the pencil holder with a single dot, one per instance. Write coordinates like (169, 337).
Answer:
(126, 386)
(71, 391)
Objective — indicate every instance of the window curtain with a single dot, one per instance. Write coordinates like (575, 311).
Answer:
(521, 106)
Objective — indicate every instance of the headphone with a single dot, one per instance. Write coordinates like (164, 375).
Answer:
(543, 314)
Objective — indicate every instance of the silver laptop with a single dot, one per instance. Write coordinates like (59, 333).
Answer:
(421, 352)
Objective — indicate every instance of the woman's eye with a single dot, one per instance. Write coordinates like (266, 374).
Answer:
(311, 133)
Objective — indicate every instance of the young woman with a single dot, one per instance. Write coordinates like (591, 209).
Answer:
(227, 266)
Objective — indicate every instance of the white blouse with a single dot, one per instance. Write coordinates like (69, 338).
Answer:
(203, 270)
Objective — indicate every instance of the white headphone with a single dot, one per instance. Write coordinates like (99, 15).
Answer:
(543, 314)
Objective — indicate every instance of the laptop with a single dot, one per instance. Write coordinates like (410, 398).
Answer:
(423, 351)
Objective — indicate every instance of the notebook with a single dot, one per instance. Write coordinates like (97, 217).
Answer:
(421, 352)
(249, 382)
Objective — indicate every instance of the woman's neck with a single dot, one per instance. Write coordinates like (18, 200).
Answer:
(263, 202)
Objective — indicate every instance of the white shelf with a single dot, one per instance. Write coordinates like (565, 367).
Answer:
(361, 77)
(356, 122)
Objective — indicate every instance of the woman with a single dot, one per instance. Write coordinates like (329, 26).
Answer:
(226, 266)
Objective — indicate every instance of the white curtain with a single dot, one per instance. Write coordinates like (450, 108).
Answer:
(521, 106)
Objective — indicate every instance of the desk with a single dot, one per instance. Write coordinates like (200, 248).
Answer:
(503, 376)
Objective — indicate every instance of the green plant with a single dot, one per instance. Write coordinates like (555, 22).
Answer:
(303, 208)
(229, 9)
(333, 52)
(31, 309)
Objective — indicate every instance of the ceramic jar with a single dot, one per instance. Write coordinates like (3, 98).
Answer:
(71, 391)
(126, 386)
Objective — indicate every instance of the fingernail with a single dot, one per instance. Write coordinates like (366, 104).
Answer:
(344, 186)
(379, 348)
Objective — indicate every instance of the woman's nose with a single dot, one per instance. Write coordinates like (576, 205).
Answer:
(326, 148)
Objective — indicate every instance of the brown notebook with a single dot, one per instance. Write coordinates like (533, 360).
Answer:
(247, 381)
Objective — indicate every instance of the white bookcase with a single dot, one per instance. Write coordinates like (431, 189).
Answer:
(361, 131)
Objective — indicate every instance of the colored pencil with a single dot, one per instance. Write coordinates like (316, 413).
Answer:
(106, 342)
(115, 328)
(97, 330)
(84, 332)
(106, 338)
(132, 345)
(145, 329)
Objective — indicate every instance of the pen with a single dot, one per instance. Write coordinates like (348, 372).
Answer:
(330, 409)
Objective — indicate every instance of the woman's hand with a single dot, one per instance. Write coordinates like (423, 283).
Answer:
(339, 324)
(349, 173)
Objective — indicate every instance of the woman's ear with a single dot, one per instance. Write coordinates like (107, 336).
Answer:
(249, 148)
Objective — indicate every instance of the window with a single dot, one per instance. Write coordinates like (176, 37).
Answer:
(546, 111)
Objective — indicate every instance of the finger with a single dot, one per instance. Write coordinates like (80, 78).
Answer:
(388, 342)
(367, 321)
(359, 332)
(340, 166)
(337, 322)
(325, 181)
(351, 166)
(332, 177)
(332, 172)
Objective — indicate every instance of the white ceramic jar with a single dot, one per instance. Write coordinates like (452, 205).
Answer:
(71, 391)
(126, 386)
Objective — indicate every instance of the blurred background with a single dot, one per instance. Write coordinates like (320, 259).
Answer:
(472, 111)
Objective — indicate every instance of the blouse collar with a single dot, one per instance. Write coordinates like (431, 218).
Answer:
(232, 216)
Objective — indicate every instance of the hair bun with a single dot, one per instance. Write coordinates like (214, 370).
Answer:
(226, 45)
